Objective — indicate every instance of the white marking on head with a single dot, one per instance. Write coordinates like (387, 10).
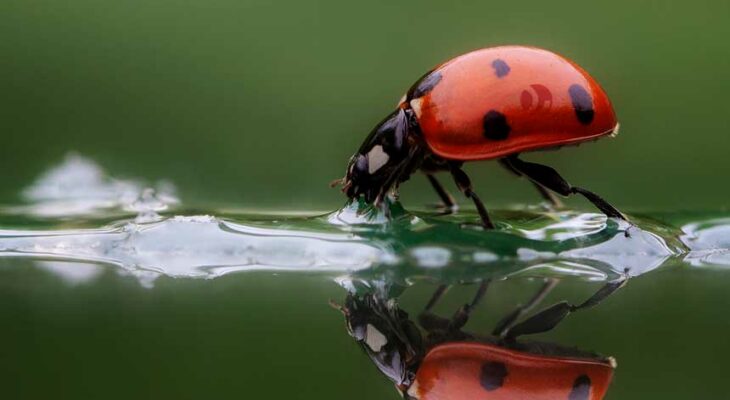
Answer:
(416, 106)
(402, 99)
(374, 339)
(376, 159)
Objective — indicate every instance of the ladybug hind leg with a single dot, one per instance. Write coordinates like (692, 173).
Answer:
(550, 317)
(551, 179)
(506, 323)
(547, 195)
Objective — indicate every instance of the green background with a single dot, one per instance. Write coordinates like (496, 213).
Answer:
(260, 103)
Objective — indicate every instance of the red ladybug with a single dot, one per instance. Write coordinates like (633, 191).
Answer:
(448, 363)
(491, 103)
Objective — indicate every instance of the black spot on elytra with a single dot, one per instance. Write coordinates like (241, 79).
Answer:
(500, 68)
(582, 104)
(496, 126)
(424, 85)
(581, 388)
(493, 374)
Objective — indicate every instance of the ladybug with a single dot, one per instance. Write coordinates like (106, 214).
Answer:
(447, 363)
(493, 103)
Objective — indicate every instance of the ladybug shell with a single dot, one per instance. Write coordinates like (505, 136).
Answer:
(503, 100)
(483, 371)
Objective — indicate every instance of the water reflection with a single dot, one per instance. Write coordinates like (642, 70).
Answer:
(435, 357)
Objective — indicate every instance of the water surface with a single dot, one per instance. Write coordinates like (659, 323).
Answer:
(116, 289)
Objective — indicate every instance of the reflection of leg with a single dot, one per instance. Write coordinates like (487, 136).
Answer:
(548, 318)
(511, 319)
(443, 194)
(430, 321)
(547, 195)
(550, 179)
(464, 183)
(461, 317)
(436, 296)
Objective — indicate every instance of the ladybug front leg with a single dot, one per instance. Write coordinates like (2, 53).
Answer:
(551, 179)
(430, 321)
(464, 184)
(446, 198)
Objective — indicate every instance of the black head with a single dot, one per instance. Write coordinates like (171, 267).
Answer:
(387, 336)
(383, 160)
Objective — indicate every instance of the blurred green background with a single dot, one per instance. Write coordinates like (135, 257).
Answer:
(260, 103)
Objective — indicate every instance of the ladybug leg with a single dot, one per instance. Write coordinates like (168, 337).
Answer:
(550, 317)
(427, 319)
(461, 317)
(547, 195)
(431, 321)
(511, 319)
(464, 184)
(551, 179)
(437, 295)
(446, 198)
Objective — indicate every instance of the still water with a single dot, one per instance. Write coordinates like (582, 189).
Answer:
(113, 288)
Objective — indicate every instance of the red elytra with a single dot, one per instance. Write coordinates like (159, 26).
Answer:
(544, 100)
(466, 370)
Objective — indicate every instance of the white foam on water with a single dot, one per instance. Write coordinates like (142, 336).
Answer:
(79, 187)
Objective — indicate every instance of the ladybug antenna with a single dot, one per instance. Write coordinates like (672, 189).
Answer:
(336, 306)
(346, 186)
(337, 182)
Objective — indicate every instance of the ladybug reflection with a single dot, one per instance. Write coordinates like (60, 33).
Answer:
(445, 362)
(493, 103)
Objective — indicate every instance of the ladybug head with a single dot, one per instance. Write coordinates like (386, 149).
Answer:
(387, 336)
(382, 161)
